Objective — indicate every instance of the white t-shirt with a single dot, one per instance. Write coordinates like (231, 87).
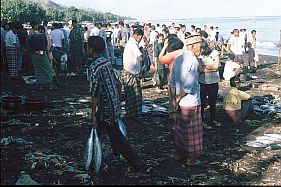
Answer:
(130, 55)
(185, 77)
(153, 37)
(236, 45)
(57, 36)
(229, 70)
(95, 31)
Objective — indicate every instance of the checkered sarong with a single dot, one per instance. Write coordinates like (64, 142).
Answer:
(42, 68)
(12, 60)
(188, 131)
(76, 52)
(133, 94)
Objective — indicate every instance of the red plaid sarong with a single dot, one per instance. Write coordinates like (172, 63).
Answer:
(188, 131)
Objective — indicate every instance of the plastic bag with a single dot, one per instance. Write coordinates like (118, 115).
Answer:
(63, 62)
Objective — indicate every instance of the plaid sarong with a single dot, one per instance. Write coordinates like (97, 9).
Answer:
(12, 60)
(133, 94)
(76, 52)
(42, 68)
(188, 131)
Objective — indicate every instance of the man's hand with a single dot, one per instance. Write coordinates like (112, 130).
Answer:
(94, 123)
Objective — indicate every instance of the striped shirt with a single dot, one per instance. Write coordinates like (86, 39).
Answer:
(103, 86)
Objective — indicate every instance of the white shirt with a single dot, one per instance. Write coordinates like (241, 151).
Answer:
(95, 31)
(229, 70)
(57, 36)
(130, 55)
(236, 45)
(152, 36)
(185, 77)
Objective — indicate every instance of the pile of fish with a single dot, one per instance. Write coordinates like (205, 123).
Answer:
(266, 105)
(150, 108)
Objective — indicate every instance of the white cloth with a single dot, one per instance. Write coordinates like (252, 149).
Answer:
(229, 69)
(57, 36)
(130, 55)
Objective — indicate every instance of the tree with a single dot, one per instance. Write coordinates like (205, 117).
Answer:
(19, 11)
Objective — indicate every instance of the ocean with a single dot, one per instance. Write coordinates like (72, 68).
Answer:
(268, 28)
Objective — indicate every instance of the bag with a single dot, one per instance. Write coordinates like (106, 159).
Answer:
(63, 62)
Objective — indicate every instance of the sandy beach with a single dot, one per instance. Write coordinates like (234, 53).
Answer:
(48, 144)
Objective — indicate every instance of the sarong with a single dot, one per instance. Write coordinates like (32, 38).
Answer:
(76, 52)
(188, 131)
(12, 60)
(133, 94)
(42, 68)
(237, 116)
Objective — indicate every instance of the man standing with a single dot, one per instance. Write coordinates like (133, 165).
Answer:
(76, 43)
(132, 59)
(12, 50)
(185, 94)
(235, 45)
(253, 40)
(57, 38)
(105, 98)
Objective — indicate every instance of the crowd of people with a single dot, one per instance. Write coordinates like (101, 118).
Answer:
(186, 65)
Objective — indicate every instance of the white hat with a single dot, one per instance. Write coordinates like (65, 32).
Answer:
(192, 39)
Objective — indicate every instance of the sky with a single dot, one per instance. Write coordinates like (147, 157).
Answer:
(180, 9)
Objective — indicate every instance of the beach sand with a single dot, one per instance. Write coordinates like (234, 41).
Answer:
(58, 132)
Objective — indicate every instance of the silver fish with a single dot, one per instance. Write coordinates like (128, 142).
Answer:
(97, 152)
(122, 128)
(88, 151)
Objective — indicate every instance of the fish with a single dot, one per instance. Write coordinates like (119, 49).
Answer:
(122, 128)
(97, 151)
(88, 151)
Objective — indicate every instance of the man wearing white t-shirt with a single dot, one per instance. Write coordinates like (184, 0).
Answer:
(236, 46)
(231, 68)
(57, 37)
(132, 58)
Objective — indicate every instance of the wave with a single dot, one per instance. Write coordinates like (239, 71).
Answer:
(267, 45)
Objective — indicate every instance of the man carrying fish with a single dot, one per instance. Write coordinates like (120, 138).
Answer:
(106, 105)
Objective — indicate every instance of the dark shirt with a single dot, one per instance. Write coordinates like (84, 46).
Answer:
(38, 42)
(251, 54)
(157, 49)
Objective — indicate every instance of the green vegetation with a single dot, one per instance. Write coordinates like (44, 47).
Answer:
(28, 11)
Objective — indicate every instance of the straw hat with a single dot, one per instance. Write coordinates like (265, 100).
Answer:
(192, 39)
